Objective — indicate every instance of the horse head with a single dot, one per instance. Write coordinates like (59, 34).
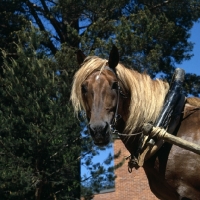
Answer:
(102, 97)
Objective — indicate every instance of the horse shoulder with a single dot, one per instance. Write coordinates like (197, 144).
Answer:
(183, 165)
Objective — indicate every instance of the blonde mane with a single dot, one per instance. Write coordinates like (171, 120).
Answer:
(147, 95)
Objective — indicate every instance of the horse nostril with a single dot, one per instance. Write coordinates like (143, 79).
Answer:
(98, 129)
(99, 132)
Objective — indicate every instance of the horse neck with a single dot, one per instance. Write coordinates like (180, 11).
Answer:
(146, 101)
(147, 98)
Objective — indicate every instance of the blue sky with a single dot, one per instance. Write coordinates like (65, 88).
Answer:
(193, 65)
(190, 66)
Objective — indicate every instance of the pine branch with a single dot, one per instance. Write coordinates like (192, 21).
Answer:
(160, 5)
(53, 21)
(32, 8)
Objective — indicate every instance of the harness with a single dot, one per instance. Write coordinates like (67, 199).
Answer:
(173, 105)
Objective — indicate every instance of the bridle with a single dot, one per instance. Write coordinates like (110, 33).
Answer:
(133, 161)
(116, 115)
(113, 130)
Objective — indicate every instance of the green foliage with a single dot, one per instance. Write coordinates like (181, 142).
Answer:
(40, 141)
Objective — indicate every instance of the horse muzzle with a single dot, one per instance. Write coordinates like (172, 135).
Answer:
(100, 133)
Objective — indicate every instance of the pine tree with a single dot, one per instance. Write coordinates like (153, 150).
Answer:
(40, 141)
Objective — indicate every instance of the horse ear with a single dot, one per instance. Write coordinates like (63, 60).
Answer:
(113, 57)
(80, 57)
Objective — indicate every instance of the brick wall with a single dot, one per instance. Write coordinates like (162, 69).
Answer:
(133, 186)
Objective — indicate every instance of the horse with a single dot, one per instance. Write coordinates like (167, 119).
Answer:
(114, 95)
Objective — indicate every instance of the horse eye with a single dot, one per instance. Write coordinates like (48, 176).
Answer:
(114, 86)
(83, 89)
